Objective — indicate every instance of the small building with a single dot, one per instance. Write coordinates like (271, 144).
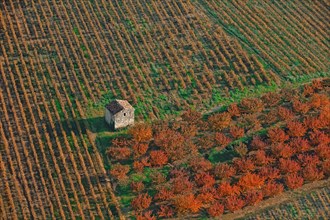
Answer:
(119, 114)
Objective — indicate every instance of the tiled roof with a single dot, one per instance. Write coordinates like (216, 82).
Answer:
(118, 105)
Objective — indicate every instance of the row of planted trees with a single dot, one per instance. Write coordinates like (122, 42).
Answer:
(277, 142)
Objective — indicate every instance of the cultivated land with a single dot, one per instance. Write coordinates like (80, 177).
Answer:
(61, 61)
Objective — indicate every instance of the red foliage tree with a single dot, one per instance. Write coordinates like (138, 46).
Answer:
(271, 189)
(222, 139)
(251, 181)
(270, 173)
(168, 138)
(270, 117)
(157, 178)
(251, 105)
(204, 180)
(233, 110)
(121, 142)
(188, 130)
(141, 202)
(277, 135)
(164, 194)
(319, 137)
(244, 165)
(300, 145)
(296, 129)
(271, 99)
(145, 216)
(300, 107)
(234, 203)
(119, 153)
(181, 185)
(326, 167)
(172, 142)
(158, 158)
(141, 132)
(285, 114)
(260, 158)
(318, 100)
(225, 189)
(224, 171)
(317, 84)
(137, 186)
(215, 210)
(236, 132)
(283, 150)
(206, 141)
(312, 173)
(294, 181)
(323, 151)
(257, 143)
(253, 197)
(219, 121)
(313, 122)
(165, 212)
(207, 197)
(200, 164)
(187, 203)
(308, 160)
(119, 171)
(289, 166)
(139, 149)
(138, 166)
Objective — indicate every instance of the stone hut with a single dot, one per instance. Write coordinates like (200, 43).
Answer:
(119, 114)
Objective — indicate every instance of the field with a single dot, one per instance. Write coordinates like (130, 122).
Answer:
(222, 162)
(62, 61)
(313, 205)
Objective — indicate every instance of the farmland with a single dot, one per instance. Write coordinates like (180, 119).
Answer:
(311, 205)
(247, 152)
(62, 61)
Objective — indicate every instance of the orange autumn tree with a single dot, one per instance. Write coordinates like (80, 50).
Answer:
(204, 180)
(294, 181)
(251, 181)
(251, 105)
(272, 188)
(119, 171)
(224, 171)
(257, 143)
(236, 132)
(137, 186)
(233, 203)
(219, 121)
(289, 166)
(172, 142)
(222, 139)
(312, 173)
(277, 135)
(119, 153)
(140, 149)
(141, 132)
(141, 202)
(187, 203)
(253, 197)
(158, 158)
(215, 210)
(244, 165)
(296, 129)
(226, 189)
